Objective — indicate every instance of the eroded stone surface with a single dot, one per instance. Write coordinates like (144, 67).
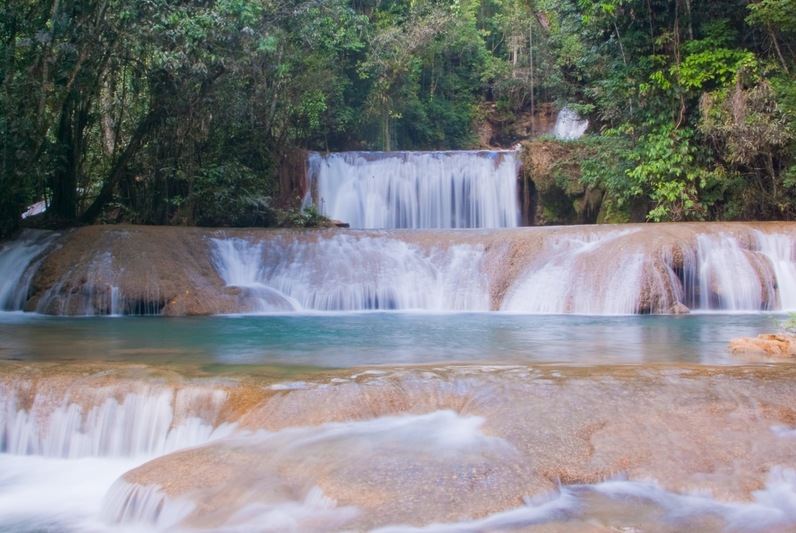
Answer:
(766, 345)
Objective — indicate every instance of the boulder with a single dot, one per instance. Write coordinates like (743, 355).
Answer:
(679, 309)
(766, 345)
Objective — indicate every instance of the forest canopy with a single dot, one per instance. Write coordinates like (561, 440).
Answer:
(182, 112)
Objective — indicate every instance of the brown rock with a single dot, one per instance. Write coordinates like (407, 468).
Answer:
(679, 309)
(767, 345)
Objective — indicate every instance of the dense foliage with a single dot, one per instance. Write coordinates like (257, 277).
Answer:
(182, 111)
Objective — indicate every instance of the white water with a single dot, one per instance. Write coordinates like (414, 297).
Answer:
(349, 273)
(567, 280)
(723, 274)
(270, 476)
(772, 508)
(417, 189)
(99, 291)
(36, 209)
(147, 507)
(779, 249)
(99, 295)
(108, 423)
(267, 500)
(60, 452)
(727, 276)
(18, 262)
(54, 494)
(569, 126)
(579, 270)
(88, 494)
(584, 272)
(450, 442)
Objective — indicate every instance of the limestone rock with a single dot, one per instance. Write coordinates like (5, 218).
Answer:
(679, 309)
(766, 345)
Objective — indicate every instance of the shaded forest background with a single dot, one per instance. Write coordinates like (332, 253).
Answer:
(183, 112)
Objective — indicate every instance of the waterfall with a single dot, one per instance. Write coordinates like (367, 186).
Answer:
(19, 260)
(266, 497)
(350, 273)
(570, 278)
(65, 440)
(467, 189)
(729, 276)
(240, 265)
(569, 126)
(147, 507)
(584, 270)
(779, 249)
(725, 273)
(99, 295)
(601, 271)
(108, 421)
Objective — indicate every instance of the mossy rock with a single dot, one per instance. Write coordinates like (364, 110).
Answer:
(613, 213)
(554, 168)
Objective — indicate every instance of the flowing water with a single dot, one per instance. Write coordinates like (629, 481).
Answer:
(598, 270)
(392, 422)
(606, 272)
(569, 126)
(18, 262)
(417, 189)
(534, 379)
(96, 447)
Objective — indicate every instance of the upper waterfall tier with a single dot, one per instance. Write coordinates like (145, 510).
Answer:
(375, 190)
(600, 270)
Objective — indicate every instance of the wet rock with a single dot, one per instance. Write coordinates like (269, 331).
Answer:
(679, 309)
(100, 270)
(766, 345)
(370, 442)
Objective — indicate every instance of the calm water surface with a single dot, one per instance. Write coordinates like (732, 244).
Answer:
(346, 340)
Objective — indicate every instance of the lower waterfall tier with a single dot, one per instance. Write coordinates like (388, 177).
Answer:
(602, 270)
(443, 448)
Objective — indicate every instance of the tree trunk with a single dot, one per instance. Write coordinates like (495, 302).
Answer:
(530, 66)
(63, 181)
(119, 166)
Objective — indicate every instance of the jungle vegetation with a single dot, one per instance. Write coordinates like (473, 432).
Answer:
(183, 111)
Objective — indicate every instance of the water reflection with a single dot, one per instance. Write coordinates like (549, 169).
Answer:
(381, 338)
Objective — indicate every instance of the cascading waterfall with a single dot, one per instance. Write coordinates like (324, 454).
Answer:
(584, 270)
(466, 189)
(144, 506)
(780, 251)
(442, 434)
(100, 292)
(240, 265)
(724, 274)
(63, 444)
(579, 271)
(107, 422)
(18, 262)
(569, 126)
(352, 273)
(100, 295)
(568, 279)
(729, 275)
